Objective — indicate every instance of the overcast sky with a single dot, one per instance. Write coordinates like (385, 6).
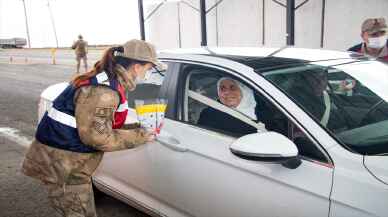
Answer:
(99, 21)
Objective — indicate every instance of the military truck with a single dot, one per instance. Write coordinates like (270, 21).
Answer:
(13, 43)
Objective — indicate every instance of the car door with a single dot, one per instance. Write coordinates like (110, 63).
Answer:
(201, 177)
(132, 175)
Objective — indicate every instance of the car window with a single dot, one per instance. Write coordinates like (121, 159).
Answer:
(202, 81)
(204, 107)
(275, 120)
(201, 108)
(148, 89)
(349, 100)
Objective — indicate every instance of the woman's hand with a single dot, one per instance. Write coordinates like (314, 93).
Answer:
(151, 136)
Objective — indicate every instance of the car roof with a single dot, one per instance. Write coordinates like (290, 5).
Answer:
(261, 58)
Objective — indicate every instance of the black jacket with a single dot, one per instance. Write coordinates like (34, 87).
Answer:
(357, 48)
(225, 123)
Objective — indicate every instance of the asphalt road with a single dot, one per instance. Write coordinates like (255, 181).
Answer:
(20, 87)
(44, 56)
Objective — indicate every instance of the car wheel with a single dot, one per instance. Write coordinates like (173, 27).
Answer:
(97, 193)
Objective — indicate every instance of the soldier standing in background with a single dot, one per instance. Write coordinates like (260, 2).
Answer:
(374, 36)
(81, 50)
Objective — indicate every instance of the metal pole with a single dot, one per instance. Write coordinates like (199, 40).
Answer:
(217, 35)
(141, 19)
(28, 32)
(290, 22)
(179, 25)
(52, 22)
(203, 22)
(263, 20)
(323, 23)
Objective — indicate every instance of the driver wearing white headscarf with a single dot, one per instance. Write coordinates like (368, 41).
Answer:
(235, 95)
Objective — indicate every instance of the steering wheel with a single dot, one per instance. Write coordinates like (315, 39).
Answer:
(373, 109)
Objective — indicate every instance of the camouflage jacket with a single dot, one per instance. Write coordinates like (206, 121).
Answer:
(95, 106)
(80, 47)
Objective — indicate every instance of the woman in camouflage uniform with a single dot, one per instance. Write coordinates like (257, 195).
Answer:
(86, 120)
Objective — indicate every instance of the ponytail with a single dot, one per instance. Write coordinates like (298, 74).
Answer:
(107, 63)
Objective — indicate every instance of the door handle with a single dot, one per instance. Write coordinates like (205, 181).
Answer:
(170, 142)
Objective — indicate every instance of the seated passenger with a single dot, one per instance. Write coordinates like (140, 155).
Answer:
(311, 93)
(235, 95)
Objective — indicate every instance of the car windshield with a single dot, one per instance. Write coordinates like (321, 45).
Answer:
(347, 97)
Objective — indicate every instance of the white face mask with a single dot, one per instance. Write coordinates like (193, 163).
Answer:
(139, 80)
(377, 42)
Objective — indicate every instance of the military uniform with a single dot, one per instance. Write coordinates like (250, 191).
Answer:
(67, 174)
(373, 28)
(80, 47)
(361, 48)
(86, 120)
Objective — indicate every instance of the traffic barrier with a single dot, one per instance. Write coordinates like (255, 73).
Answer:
(53, 52)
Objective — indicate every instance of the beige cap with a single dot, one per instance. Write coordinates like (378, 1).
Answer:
(373, 25)
(140, 50)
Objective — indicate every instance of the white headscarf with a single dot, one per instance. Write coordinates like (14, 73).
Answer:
(247, 104)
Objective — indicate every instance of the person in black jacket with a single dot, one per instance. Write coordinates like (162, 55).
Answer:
(312, 93)
(235, 95)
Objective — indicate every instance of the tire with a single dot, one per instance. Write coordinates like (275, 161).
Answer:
(97, 193)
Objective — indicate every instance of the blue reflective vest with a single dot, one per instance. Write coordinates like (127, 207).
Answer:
(58, 126)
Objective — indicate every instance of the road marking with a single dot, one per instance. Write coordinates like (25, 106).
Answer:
(13, 135)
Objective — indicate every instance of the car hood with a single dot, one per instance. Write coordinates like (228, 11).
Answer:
(53, 91)
(378, 167)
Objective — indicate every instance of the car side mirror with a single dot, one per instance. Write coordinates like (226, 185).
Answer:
(269, 147)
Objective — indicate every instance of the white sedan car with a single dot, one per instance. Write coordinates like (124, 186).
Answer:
(317, 144)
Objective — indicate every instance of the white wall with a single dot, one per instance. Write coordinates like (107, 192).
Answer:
(190, 24)
(344, 19)
(308, 24)
(162, 26)
(240, 23)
